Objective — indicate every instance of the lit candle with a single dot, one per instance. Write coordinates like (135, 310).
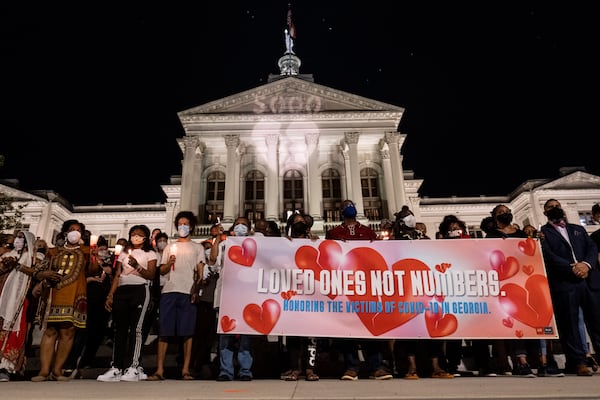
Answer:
(118, 249)
(93, 240)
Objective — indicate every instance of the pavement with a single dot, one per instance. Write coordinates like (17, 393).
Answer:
(504, 387)
(266, 387)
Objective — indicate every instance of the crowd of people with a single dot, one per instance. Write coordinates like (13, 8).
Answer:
(80, 295)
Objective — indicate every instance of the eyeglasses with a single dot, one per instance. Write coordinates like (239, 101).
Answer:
(138, 237)
(9, 245)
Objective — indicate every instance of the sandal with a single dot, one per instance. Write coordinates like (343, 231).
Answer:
(411, 374)
(187, 377)
(155, 377)
(290, 375)
(311, 376)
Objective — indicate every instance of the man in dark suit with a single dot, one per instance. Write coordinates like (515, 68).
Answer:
(571, 259)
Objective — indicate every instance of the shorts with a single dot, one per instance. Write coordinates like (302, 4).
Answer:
(177, 315)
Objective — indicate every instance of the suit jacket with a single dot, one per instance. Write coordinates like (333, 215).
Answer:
(558, 257)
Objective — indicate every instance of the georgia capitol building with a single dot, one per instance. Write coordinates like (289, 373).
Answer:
(292, 144)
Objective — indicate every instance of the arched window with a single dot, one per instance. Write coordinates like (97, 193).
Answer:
(332, 195)
(293, 192)
(370, 193)
(254, 198)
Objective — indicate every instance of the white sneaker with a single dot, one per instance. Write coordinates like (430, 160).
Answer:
(112, 375)
(134, 374)
(141, 374)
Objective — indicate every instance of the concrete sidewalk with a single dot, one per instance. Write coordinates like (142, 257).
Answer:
(505, 387)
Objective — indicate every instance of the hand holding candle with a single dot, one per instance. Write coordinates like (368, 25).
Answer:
(173, 256)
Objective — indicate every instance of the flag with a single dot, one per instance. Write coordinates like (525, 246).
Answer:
(290, 24)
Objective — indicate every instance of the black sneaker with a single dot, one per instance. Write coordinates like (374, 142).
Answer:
(223, 378)
(245, 378)
(524, 370)
(551, 371)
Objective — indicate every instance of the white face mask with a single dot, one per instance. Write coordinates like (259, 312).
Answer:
(19, 243)
(207, 254)
(161, 245)
(183, 230)
(73, 237)
(410, 221)
(240, 230)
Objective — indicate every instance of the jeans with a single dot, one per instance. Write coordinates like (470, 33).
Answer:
(226, 352)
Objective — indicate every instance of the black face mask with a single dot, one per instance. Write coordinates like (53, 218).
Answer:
(505, 218)
(299, 229)
(555, 214)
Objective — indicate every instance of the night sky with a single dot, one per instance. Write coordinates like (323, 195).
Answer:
(495, 93)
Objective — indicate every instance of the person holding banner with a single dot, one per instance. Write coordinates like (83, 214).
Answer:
(351, 229)
(302, 351)
(227, 343)
(405, 229)
(571, 259)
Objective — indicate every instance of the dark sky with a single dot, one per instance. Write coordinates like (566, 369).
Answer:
(495, 93)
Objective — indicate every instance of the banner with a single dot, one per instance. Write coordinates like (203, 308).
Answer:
(462, 288)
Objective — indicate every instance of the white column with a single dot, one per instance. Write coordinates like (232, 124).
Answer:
(315, 192)
(355, 188)
(388, 183)
(393, 140)
(187, 176)
(272, 178)
(231, 180)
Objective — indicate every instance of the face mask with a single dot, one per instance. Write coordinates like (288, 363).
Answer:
(73, 237)
(455, 234)
(349, 211)
(41, 250)
(554, 215)
(505, 218)
(240, 230)
(410, 221)
(102, 253)
(183, 230)
(136, 239)
(161, 245)
(299, 229)
(19, 243)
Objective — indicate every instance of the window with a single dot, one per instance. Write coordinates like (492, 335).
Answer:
(332, 195)
(293, 192)
(254, 199)
(370, 193)
(215, 196)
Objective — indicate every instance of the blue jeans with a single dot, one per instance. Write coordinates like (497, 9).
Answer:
(227, 350)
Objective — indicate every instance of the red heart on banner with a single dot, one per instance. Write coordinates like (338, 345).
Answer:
(227, 324)
(519, 333)
(288, 294)
(244, 254)
(507, 322)
(366, 259)
(262, 319)
(440, 325)
(527, 246)
(531, 305)
(507, 267)
(327, 258)
(442, 267)
(528, 269)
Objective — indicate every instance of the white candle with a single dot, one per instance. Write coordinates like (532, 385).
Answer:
(93, 240)
(118, 249)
